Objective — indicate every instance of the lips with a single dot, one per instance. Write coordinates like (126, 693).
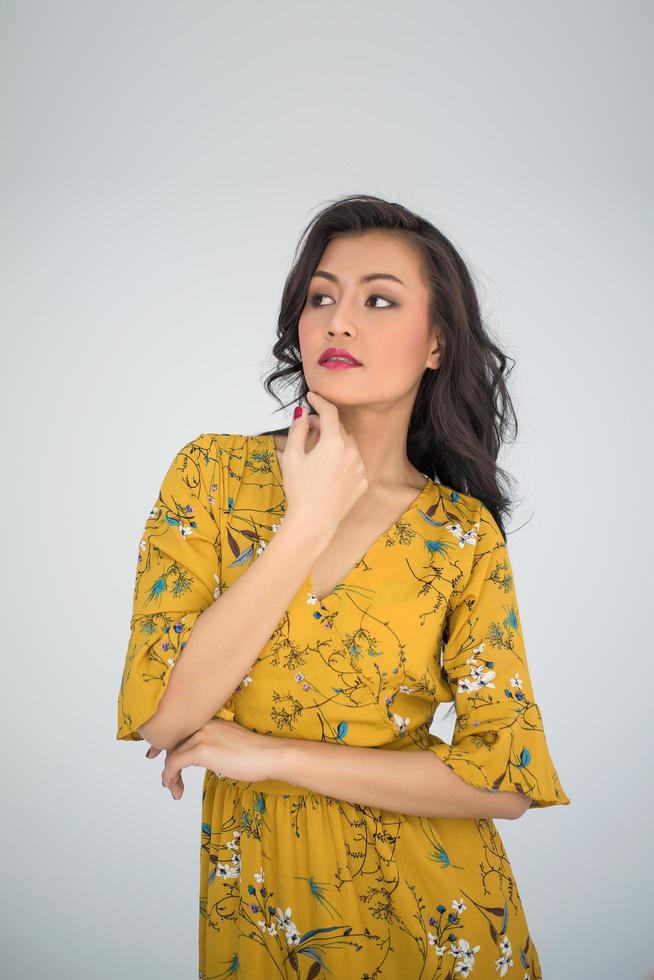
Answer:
(340, 355)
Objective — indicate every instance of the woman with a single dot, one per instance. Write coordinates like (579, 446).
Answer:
(330, 586)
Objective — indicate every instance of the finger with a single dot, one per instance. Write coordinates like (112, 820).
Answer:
(171, 777)
(185, 753)
(297, 434)
(330, 424)
(177, 788)
(152, 753)
(313, 435)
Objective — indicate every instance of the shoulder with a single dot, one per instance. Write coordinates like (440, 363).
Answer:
(470, 520)
(223, 439)
(234, 455)
(462, 508)
(214, 443)
(201, 459)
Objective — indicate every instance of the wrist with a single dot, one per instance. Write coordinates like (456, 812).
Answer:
(299, 532)
(280, 765)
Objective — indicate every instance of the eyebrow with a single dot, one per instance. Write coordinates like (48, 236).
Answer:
(368, 278)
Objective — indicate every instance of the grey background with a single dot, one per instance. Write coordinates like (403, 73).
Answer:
(159, 162)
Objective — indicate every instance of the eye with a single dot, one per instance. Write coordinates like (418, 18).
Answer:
(318, 296)
(315, 296)
(390, 302)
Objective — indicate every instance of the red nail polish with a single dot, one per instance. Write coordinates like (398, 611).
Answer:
(297, 411)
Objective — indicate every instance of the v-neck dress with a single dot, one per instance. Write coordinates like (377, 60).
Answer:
(296, 884)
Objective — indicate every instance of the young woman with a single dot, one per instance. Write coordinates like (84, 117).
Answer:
(320, 591)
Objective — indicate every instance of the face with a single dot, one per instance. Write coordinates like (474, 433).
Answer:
(382, 322)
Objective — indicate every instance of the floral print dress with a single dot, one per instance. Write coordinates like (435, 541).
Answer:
(297, 884)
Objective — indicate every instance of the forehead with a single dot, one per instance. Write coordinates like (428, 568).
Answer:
(352, 255)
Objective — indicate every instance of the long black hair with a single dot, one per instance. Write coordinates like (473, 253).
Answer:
(463, 412)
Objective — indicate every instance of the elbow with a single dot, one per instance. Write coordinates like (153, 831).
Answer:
(164, 729)
(152, 732)
(162, 736)
(520, 806)
(165, 736)
(510, 805)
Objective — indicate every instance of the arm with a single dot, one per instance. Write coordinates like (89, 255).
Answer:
(227, 638)
(499, 742)
(412, 782)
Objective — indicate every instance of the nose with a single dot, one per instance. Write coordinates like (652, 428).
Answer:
(341, 323)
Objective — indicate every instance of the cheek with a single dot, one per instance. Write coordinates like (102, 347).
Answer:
(307, 336)
(403, 354)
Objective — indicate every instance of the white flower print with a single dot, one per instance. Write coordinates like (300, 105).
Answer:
(466, 952)
(433, 940)
(464, 537)
(284, 917)
(292, 936)
(505, 959)
(401, 722)
(502, 964)
(290, 929)
(480, 675)
(227, 870)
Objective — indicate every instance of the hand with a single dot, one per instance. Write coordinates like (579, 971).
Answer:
(223, 747)
(321, 485)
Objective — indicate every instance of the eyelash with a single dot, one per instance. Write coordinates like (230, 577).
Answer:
(372, 296)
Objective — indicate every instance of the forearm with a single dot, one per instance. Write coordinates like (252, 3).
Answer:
(229, 635)
(412, 782)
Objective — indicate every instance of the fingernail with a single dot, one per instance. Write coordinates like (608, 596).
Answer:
(297, 412)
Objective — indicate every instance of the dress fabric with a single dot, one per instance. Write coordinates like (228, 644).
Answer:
(297, 884)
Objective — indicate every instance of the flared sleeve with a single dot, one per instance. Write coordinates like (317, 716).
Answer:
(177, 577)
(498, 741)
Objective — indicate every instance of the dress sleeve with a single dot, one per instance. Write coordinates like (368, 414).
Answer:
(177, 577)
(498, 741)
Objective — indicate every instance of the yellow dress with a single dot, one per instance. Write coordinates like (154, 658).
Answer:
(297, 884)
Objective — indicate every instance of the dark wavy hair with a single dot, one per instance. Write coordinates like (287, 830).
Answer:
(463, 412)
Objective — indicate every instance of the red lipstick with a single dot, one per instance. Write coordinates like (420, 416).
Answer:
(338, 359)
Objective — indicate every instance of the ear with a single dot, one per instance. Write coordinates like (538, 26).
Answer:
(435, 350)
